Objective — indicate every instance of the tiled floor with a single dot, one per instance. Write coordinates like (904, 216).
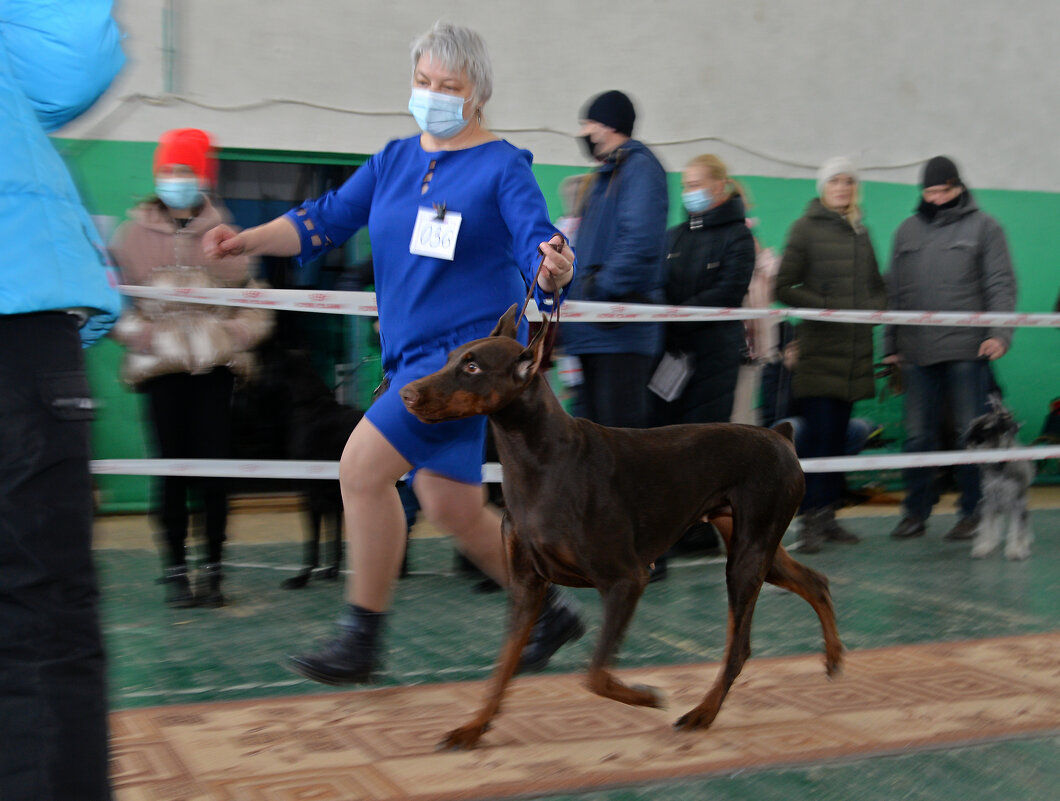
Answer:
(886, 593)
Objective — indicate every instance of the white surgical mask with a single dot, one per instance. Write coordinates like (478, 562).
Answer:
(178, 193)
(438, 114)
(696, 200)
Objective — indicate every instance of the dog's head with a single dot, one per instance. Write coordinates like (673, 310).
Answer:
(481, 377)
(995, 429)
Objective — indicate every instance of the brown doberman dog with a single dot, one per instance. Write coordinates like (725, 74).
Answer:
(590, 506)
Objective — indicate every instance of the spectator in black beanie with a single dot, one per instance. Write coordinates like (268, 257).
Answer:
(949, 256)
(621, 242)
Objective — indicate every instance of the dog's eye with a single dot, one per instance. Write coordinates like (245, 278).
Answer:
(472, 368)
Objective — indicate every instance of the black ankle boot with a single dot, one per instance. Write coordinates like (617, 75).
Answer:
(210, 586)
(178, 588)
(557, 625)
(299, 580)
(351, 657)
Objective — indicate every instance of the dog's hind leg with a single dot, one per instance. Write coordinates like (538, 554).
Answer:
(620, 601)
(526, 596)
(813, 588)
(745, 571)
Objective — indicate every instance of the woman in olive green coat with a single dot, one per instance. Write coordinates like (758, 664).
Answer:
(829, 263)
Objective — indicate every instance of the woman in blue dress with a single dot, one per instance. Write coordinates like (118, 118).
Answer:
(456, 220)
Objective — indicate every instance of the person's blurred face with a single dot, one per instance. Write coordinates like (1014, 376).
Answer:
(941, 194)
(696, 176)
(603, 137)
(174, 171)
(434, 76)
(839, 192)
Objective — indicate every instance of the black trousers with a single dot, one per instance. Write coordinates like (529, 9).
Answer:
(53, 703)
(614, 389)
(192, 419)
(826, 435)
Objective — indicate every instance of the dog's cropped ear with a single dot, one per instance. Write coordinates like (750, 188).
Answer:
(529, 361)
(507, 325)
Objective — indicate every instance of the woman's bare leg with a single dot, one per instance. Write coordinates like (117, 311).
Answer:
(375, 522)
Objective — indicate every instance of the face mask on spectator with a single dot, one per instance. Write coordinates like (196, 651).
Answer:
(696, 200)
(178, 193)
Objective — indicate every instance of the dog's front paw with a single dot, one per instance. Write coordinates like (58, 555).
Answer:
(463, 738)
(1017, 553)
(981, 550)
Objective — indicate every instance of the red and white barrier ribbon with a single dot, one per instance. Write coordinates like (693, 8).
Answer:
(491, 472)
(363, 304)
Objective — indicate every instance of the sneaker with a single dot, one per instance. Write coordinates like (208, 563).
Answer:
(908, 528)
(557, 625)
(964, 530)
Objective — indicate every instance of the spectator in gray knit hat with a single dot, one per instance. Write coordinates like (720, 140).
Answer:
(949, 256)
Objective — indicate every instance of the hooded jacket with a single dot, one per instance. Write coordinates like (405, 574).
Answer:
(957, 261)
(829, 263)
(161, 337)
(620, 246)
(54, 63)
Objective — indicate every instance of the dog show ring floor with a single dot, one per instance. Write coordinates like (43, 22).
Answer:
(951, 688)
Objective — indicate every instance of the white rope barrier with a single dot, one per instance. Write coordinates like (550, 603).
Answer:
(491, 472)
(363, 304)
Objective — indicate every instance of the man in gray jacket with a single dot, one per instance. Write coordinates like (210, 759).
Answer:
(949, 256)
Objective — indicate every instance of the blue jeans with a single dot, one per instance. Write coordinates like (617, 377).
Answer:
(959, 389)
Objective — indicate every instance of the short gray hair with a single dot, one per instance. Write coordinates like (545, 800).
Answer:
(458, 48)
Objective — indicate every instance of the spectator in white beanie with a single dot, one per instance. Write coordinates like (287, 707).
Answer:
(829, 263)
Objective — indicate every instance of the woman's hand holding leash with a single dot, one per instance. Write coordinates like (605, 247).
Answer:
(557, 267)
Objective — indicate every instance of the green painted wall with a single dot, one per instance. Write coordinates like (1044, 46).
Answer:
(113, 175)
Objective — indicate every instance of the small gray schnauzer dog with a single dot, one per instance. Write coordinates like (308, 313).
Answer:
(1004, 486)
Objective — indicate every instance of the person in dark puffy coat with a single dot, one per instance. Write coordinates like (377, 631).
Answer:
(829, 262)
(709, 261)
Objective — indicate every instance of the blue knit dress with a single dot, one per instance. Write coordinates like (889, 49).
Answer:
(427, 305)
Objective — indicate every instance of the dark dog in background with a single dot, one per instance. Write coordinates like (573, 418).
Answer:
(1004, 486)
(591, 506)
(317, 429)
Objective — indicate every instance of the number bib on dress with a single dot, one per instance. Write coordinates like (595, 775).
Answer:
(435, 235)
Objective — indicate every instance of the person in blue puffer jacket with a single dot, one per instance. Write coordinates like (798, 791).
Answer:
(56, 296)
(621, 243)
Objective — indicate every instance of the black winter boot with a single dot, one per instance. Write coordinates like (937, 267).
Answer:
(557, 625)
(210, 586)
(349, 658)
(812, 536)
(833, 531)
(178, 588)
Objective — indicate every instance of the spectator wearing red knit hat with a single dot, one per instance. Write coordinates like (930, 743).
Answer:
(185, 357)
